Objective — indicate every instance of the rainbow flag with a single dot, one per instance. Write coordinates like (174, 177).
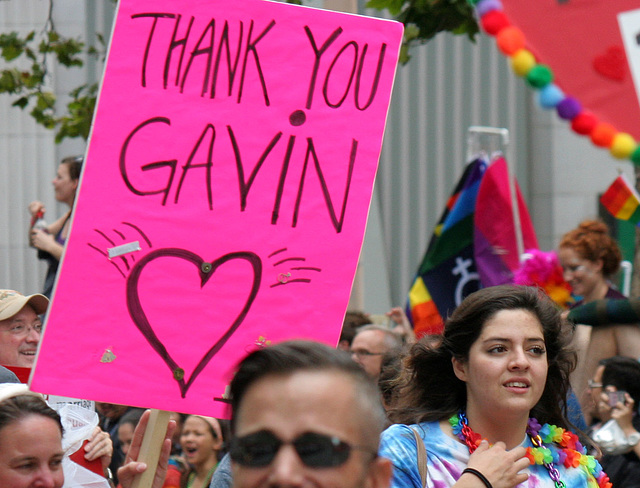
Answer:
(473, 245)
(622, 200)
(448, 268)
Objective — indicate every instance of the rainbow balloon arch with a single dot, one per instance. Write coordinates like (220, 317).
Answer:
(512, 42)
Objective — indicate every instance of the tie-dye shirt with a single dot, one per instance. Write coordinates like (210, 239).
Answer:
(447, 457)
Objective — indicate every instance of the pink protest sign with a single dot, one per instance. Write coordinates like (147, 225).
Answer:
(224, 198)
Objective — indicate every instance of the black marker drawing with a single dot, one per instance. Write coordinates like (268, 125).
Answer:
(208, 49)
(123, 263)
(311, 168)
(287, 277)
(359, 54)
(205, 271)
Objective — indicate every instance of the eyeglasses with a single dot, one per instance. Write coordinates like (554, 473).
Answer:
(22, 330)
(592, 384)
(315, 450)
(362, 353)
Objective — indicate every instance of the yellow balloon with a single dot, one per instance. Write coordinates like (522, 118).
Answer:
(522, 62)
(623, 145)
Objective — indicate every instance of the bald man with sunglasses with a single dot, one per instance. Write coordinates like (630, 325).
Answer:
(304, 414)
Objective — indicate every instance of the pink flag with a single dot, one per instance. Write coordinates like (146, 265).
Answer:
(495, 244)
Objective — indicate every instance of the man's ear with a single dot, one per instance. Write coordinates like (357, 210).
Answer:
(380, 473)
(460, 369)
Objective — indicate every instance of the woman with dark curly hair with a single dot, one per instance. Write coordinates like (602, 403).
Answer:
(488, 402)
(590, 257)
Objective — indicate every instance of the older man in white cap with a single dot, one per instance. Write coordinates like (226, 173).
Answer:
(20, 327)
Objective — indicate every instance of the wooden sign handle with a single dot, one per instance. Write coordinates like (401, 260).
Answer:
(151, 447)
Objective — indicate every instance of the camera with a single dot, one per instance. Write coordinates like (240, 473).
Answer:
(615, 397)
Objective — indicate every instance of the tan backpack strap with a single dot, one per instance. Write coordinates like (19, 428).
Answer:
(422, 457)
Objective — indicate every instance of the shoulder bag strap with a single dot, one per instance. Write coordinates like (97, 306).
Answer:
(422, 457)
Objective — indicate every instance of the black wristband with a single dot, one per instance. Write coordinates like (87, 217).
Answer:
(477, 473)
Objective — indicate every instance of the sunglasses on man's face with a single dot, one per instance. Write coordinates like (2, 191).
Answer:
(315, 450)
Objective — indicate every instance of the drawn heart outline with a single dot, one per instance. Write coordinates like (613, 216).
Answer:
(205, 271)
(512, 43)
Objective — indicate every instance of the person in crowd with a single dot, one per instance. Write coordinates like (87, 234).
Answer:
(8, 376)
(176, 447)
(401, 325)
(20, 327)
(31, 443)
(222, 475)
(353, 319)
(110, 415)
(202, 442)
(488, 403)
(615, 391)
(590, 257)
(305, 414)
(50, 239)
(126, 426)
(177, 465)
(371, 343)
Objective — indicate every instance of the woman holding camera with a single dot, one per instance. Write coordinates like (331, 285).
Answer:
(615, 391)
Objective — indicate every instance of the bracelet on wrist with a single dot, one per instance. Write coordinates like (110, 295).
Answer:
(478, 475)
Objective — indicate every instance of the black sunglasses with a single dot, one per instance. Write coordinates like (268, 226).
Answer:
(315, 450)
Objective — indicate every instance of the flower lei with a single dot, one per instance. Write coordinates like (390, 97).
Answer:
(554, 445)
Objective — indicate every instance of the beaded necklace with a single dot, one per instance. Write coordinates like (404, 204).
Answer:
(192, 477)
(552, 445)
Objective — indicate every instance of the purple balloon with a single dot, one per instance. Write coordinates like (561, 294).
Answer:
(569, 108)
(485, 6)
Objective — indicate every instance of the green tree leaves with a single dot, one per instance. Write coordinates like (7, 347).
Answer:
(423, 19)
(25, 77)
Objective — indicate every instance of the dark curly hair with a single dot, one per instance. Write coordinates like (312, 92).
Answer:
(429, 388)
(591, 241)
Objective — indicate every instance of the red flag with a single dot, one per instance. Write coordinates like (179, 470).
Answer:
(495, 244)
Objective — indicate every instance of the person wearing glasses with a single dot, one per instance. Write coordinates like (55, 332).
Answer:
(20, 327)
(590, 257)
(487, 404)
(305, 414)
(370, 345)
(615, 391)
